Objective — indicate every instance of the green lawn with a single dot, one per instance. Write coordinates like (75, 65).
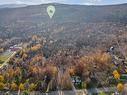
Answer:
(5, 56)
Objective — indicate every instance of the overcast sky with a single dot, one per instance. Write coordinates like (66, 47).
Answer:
(82, 2)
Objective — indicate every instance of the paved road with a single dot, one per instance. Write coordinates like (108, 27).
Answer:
(83, 91)
(105, 89)
(71, 92)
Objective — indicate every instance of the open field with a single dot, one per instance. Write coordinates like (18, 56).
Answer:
(5, 56)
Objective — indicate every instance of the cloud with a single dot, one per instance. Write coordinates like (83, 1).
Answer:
(87, 3)
(91, 2)
(19, 2)
(33, 2)
(95, 0)
(50, 1)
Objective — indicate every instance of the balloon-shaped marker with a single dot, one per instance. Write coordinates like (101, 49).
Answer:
(51, 11)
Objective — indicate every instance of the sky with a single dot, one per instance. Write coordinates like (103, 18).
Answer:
(81, 2)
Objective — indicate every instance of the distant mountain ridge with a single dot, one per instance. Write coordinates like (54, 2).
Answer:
(71, 26)
(12, 5)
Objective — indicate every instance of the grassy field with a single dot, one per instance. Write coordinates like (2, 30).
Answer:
(5, 56)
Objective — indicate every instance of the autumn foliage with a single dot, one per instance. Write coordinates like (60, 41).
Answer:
(36, 47)
(32, 71)
(120, 87)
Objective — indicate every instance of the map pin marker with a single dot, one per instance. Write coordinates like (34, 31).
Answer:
(51, 10)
